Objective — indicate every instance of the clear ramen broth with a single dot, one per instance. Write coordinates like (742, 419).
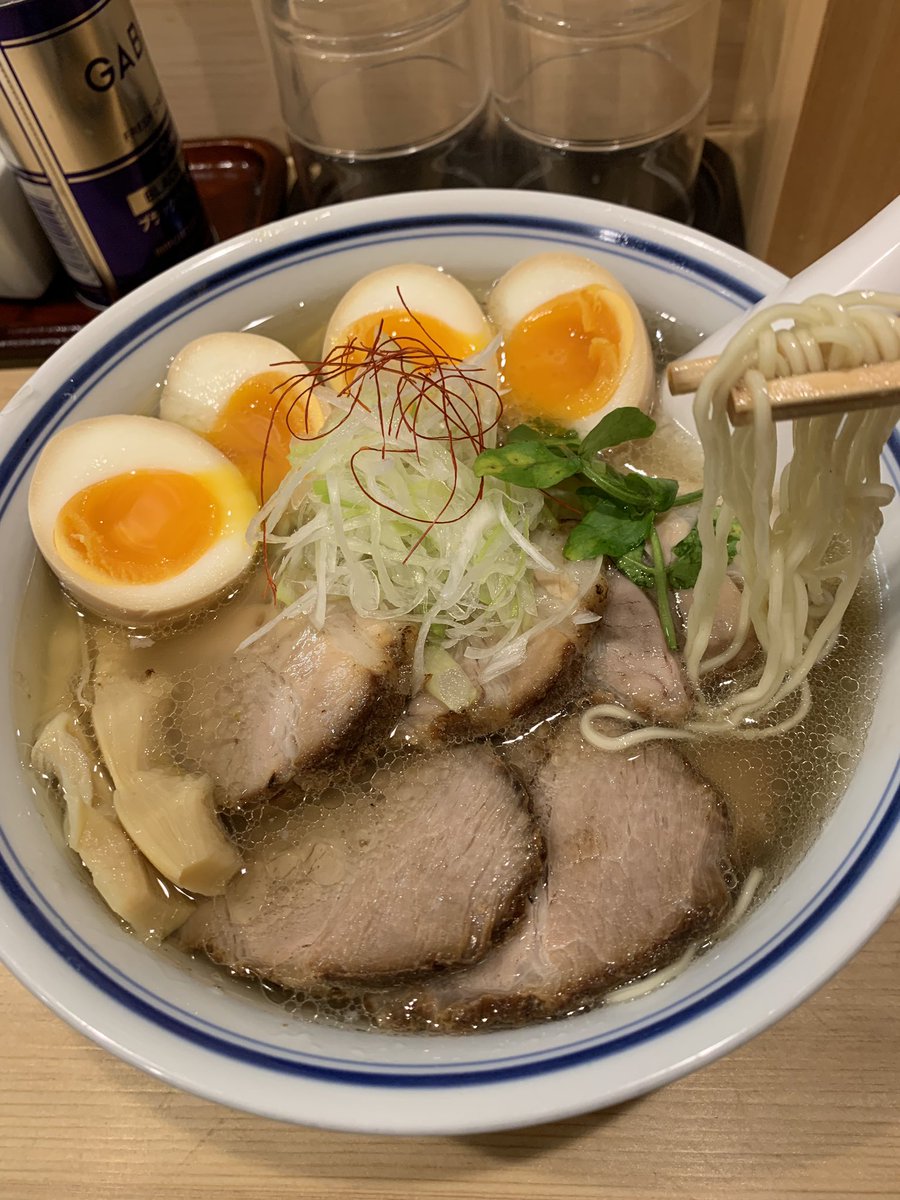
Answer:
(776, 792)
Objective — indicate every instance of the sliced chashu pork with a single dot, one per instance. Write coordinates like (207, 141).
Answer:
(636, 845)
(628, 658)
(424, 868)
(575, 589)
(726, 623)
(291, 700)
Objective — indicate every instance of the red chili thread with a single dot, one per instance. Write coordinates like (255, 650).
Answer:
(427, 377)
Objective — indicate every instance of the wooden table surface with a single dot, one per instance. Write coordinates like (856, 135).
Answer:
(810, 1108)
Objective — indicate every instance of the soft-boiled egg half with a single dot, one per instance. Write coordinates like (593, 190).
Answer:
(574, 344)
(417, 307)
(139, 518)
(226, 387)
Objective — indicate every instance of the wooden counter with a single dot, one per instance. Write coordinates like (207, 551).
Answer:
(809, 1109)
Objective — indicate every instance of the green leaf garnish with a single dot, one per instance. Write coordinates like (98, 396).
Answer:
(734, 540)
(688, 556)
(685, 565)
(621, 425)
(662, 490)
(528, 433)
(607, 530)
(619, 507)
(628, 489)
(635, 566)
(527, 463)
(662, 591)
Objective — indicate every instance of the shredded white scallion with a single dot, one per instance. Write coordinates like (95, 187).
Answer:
(403, 528)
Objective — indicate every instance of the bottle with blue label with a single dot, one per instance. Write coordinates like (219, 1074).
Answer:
(86, 128)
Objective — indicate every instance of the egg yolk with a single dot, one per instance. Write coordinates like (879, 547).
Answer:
(245, 423)
(141, 527)
(412, 331)
(564, 360)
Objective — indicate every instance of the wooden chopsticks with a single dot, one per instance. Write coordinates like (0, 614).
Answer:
(821, 393)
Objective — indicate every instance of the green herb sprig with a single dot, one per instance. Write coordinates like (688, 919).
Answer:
(618, 509)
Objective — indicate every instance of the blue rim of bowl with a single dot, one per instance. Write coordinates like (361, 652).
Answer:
(25, 448)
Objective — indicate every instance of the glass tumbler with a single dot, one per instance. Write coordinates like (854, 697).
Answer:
(604, 98)
(381, 97)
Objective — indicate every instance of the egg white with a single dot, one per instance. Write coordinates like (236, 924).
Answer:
(425, 290)
(535, 281)
(206, 373)
(94, 450)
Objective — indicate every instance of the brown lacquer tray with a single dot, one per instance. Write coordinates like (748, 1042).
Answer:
(242, 183)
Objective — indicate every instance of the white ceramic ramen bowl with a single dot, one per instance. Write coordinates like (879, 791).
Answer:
(184, 1022)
